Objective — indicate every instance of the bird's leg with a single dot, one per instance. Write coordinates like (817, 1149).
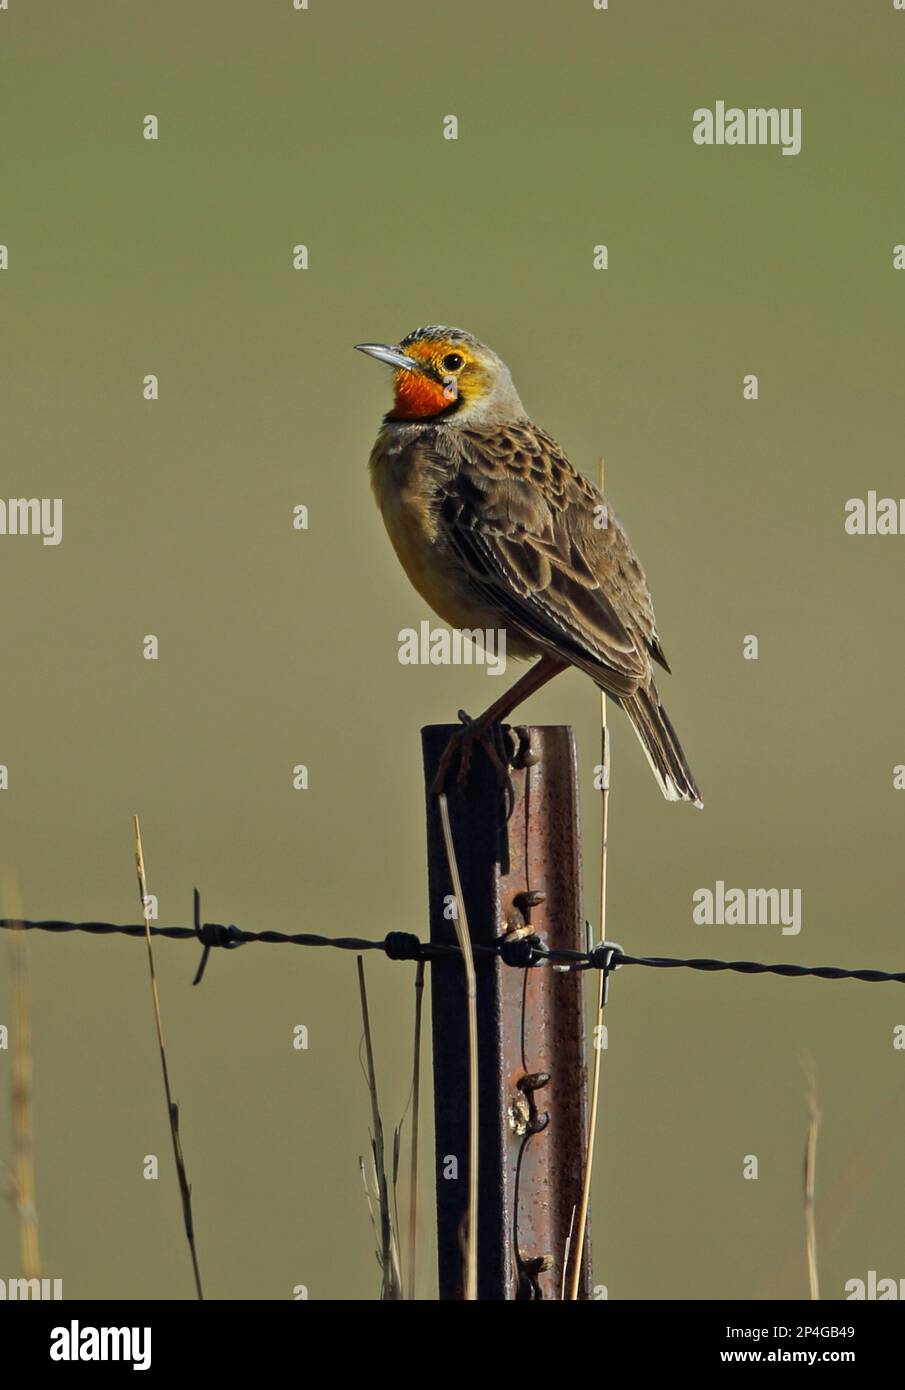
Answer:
(486, 729)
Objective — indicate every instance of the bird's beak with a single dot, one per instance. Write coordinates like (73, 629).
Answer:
(393, 356)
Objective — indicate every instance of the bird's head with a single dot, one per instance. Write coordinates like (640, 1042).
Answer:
(445, 372)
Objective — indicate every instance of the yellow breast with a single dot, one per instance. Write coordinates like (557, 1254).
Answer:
(403, 496)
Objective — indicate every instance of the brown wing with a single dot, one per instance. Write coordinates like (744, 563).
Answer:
(541, 544)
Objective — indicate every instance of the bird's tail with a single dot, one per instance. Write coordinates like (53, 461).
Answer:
(660, 742)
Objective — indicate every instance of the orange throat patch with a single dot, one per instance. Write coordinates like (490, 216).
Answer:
(417, 396)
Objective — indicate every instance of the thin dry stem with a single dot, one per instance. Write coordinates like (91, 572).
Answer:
(565, 1259)
(810, 1173)
(464, 936)
(22, 1098)
(185, 1190)
(416, 1102)
(389, 1253)
(601, 996)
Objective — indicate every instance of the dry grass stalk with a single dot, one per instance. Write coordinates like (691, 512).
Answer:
(565, 1261)
(22, 1179)
(388, 1250)
(810, 1171)
(601, 997)
(185, 1190)
(416, 1102)
(470, 1291)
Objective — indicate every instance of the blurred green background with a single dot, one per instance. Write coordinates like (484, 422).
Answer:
(279, 647)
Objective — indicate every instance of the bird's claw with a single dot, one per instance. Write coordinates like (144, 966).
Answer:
(496, 740)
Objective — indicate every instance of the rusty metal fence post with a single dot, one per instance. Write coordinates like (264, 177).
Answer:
(531, 1059)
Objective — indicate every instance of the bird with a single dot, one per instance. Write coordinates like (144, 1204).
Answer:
(497, 530)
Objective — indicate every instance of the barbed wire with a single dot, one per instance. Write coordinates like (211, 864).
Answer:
(517, 950)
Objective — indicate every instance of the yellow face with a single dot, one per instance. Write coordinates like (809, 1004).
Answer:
(449, 371)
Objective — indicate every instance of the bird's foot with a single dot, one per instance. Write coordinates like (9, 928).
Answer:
(495, 740)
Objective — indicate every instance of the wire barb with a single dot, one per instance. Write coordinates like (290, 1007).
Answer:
(211, 934)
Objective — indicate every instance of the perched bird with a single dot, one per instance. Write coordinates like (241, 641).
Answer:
(497, 530)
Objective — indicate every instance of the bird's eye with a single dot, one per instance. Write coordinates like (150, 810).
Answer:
(452, 361)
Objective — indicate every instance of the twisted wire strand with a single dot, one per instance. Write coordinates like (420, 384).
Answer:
(407, 946)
